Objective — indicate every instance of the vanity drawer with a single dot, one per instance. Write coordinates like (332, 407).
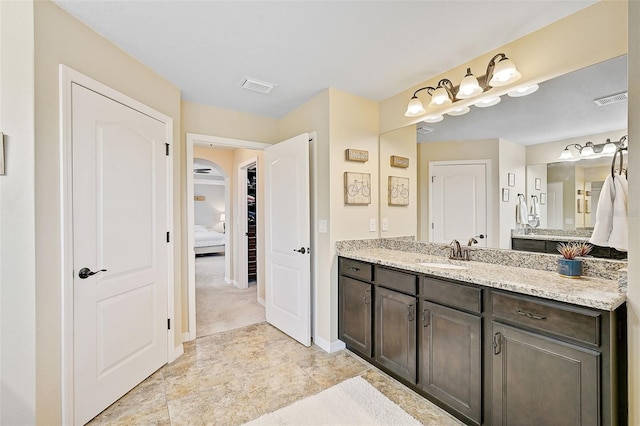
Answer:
(575, 323)
(396, 280)
(452, 294)
(355, 269)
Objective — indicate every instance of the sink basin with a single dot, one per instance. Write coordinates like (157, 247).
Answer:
(441, 265)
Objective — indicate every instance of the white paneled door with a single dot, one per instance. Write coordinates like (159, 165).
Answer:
(287, 237)
(458, 202)
(120, 195)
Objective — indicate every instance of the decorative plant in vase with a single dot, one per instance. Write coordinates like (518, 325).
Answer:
(568, 265)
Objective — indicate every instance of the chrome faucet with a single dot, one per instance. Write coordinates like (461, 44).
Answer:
(473, 240)
(456, 250)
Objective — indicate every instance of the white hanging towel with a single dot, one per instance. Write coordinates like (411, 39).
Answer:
(619, 237)
(604, 214)
(521, 211)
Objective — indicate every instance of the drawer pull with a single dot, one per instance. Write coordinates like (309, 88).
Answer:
(497, 343)
(367, 296)
(530, 315)
(426, 317)
(411, 312)
(351, 268)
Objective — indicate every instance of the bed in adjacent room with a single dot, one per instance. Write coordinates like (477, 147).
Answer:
(207, 240)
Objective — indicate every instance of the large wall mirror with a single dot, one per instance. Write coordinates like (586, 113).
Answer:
(515, 145)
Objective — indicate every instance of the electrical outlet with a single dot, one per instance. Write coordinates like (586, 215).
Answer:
(372, 225)
(385, 224)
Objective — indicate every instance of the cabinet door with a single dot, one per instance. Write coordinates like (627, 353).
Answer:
(542, 381)
(354, 323)
(395, 324)
(451, 358)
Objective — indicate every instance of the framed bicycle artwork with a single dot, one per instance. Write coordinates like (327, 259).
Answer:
(398, 191)
(357, 188)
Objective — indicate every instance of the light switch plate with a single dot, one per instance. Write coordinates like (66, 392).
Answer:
(322, 226)
(372, 225)
(385, 224)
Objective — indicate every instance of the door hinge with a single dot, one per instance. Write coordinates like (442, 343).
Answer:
(166, 147)
(168, 237)
(168, 323)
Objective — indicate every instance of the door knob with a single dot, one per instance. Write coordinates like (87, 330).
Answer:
(85, 273)
(301, 250)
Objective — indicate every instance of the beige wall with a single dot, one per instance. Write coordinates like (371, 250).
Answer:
(403, 220)
(510, 160)
(589, 36)
(17, 216)
(61, 39)
(633, 293)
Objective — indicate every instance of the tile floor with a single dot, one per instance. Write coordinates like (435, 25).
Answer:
(232, 377)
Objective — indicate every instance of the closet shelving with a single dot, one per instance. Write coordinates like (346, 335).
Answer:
(252, 265)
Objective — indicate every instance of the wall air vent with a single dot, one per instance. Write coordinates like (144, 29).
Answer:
(424, 130)
(256, 85)
(611, 99)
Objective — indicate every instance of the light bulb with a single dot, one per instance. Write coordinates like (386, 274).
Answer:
(523, 91)
(469, 86)
(487, 102)
(587, 151)
(434, 118)
(414, 108)
(458, 111)
(609, 148)
(566, 155)
(504, 73)
(440, 97)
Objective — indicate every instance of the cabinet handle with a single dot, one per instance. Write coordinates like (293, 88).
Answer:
(367, 296)
(497, 343)
(411, 312)
(351, 268)
(426, 317)
(530, 315)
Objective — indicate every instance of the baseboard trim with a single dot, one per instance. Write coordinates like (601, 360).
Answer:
(336, 346)
(261, 301)
(228, 280)
(186, 337)
(177, 352)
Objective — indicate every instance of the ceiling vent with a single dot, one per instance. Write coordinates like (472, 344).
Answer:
(256, 85)
(611, 99)
(424, 130)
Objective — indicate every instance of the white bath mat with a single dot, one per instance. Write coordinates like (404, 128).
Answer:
(352, 402)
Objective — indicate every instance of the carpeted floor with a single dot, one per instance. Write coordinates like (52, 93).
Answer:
(221, 306)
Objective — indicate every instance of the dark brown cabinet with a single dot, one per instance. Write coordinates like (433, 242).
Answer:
(355, 315)
(488, 356)
(451, 358)
(395, 324)
(354, 306)
(542, 381)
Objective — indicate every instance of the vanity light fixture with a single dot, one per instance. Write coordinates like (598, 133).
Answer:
(501, 71)
(591, 150)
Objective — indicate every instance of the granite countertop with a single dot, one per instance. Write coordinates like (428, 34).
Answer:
(584, 291)
(549, 237)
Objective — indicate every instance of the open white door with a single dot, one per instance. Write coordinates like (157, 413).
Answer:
(287, 238)
(458, 205)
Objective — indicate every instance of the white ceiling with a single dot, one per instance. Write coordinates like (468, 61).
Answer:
(374, 49)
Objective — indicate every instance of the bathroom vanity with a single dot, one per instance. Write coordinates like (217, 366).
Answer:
(491, 344)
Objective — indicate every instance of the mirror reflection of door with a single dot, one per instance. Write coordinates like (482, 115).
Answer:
(554, 205)
(458, 202)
